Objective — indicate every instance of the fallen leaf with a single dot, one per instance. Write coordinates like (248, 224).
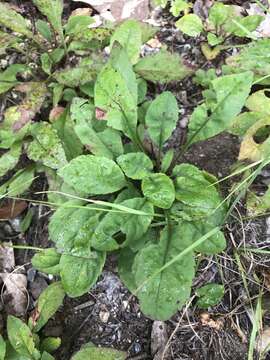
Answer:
(7, 260)
(82, 11)
(12, 209)
(117, 10)
(206, 320)
(15, 294)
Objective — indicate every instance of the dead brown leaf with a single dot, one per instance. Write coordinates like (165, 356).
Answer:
(12, 209)
(206, 320)
(15, 297)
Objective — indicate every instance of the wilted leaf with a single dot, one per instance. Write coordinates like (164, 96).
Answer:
(161, 118)
(129, 35)
(8, 77)
(161, 296)
(14, 21)
(93, 175)
(98, 353)
(47, 261)
(190, 24)
(13, 209)
(21, 338)
(209, 295)
(53, 10)
(79, 274)
(259, 102)
(252, 150)
(18, 117)
(159, 189)
(15, 293)
(135, 165)
(46, 146)
(231, 92)
(162, 67)
(48, 303)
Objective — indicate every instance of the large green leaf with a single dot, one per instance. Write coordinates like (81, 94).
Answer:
(93, 175)
(159, 189)
(48, 303)
(47, 261)
(162, 67)
(132, 225)
(80, 74)
(161, 296)
(129, 35)
(106, 143)
(97, 353)
(9, 159)
(79, 274)
(135, 165)
(21, 338)
(198, 197)
(53, 10)
(116, 93)
(46, 146)
(8, 77)
(231, 92)
(14, 21)
(161, 117)
(71, 226)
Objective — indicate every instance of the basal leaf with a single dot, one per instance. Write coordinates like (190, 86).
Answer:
(44, 29)
(248, 23)
(125, 263)
(209, 295)
(161, 296)
(214, 244)
(47, 261)
(21, 338)
(132, 225)
(93, 175)
(8, 77)
(48, 303)
(129, 35)
(77, 24)
(159, 189)
(53, 10)
(81, 74)
(231, 92)
(46, 146)
(161, 118)
(13, 20)
(243, 122)
(219, 14)
(9, 159)
(167, 160)
(116, 93)
(79, 274)
(8, 41)
(162, 67)
(20, 182)
(259, 102)
(50, 344)
(46, 356)
(2, 348)
(135, 165)
(105, 143)
(198, 197)
(190, 24)
(178, 6)
(97, 353)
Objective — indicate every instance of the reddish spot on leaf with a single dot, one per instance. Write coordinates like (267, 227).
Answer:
(100, 114)
(26, 116)
(56, 112)
(12, 209)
